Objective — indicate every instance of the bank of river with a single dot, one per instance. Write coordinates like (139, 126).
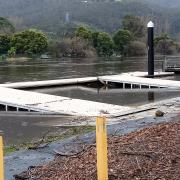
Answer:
(21, 160)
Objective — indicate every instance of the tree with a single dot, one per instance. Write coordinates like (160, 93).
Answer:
(12, 52)
(29, 42)
(137, 48)
(4, 43)
(134, 25)
(164, 44)
(122, 39)
(81, 48)
(6, 26)
(83, 32)
(103, 43)
(72, 47)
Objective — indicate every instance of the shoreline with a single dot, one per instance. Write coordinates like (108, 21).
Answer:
(119, 123)
(19, 161)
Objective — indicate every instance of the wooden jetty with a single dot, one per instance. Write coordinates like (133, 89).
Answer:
(145, 74)
(19, 100)
(49, 83)
(73, 81)
(130, 81)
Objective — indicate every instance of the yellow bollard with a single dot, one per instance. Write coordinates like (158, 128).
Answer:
(1, 159)
(101, 146)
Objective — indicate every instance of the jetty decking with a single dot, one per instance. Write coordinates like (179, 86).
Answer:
(134, 81)
(73, 81)
(49, 83)
(19, 100)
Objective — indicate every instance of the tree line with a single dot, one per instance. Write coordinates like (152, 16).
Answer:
(130, 40)
(26, 42)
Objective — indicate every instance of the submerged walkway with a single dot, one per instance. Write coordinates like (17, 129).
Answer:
(49, 83)
(19, 100)
(74, 81)
(141, 82)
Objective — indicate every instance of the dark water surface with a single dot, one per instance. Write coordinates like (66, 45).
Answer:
(22, 128)
(33, 70)
(122, 97)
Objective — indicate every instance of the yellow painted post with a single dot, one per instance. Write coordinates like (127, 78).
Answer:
(101, 146)
(1, 159)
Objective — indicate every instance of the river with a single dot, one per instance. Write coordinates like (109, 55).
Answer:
(33, 70)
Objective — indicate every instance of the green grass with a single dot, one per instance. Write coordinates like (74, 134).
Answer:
(70, 131)
(10, 149)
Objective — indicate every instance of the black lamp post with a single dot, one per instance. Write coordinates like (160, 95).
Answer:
(150, 27)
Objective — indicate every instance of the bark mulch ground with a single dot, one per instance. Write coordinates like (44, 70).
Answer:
(149, 154)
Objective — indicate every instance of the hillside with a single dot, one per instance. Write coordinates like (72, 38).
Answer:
(53, 15)
(165, 3)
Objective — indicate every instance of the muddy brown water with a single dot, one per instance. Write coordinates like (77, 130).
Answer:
(33, 70)
(116, 96)
(19, 128)
(22, 128)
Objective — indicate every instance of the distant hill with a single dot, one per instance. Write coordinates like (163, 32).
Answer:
(165, 3)
(54, 15)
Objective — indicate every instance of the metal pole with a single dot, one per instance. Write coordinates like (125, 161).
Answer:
(150, 26)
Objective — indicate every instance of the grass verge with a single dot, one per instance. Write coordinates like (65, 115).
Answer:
(50, 137)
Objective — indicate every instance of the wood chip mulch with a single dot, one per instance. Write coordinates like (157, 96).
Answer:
(149, 154)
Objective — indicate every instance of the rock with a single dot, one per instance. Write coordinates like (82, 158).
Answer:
(159, 113)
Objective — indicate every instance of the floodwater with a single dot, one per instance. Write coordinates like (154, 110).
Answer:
(33, 70)
(21, 128)
(116, 96)
(18, 128)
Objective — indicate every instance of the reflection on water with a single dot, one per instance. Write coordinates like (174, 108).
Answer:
(151, 96)
(113, 96)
